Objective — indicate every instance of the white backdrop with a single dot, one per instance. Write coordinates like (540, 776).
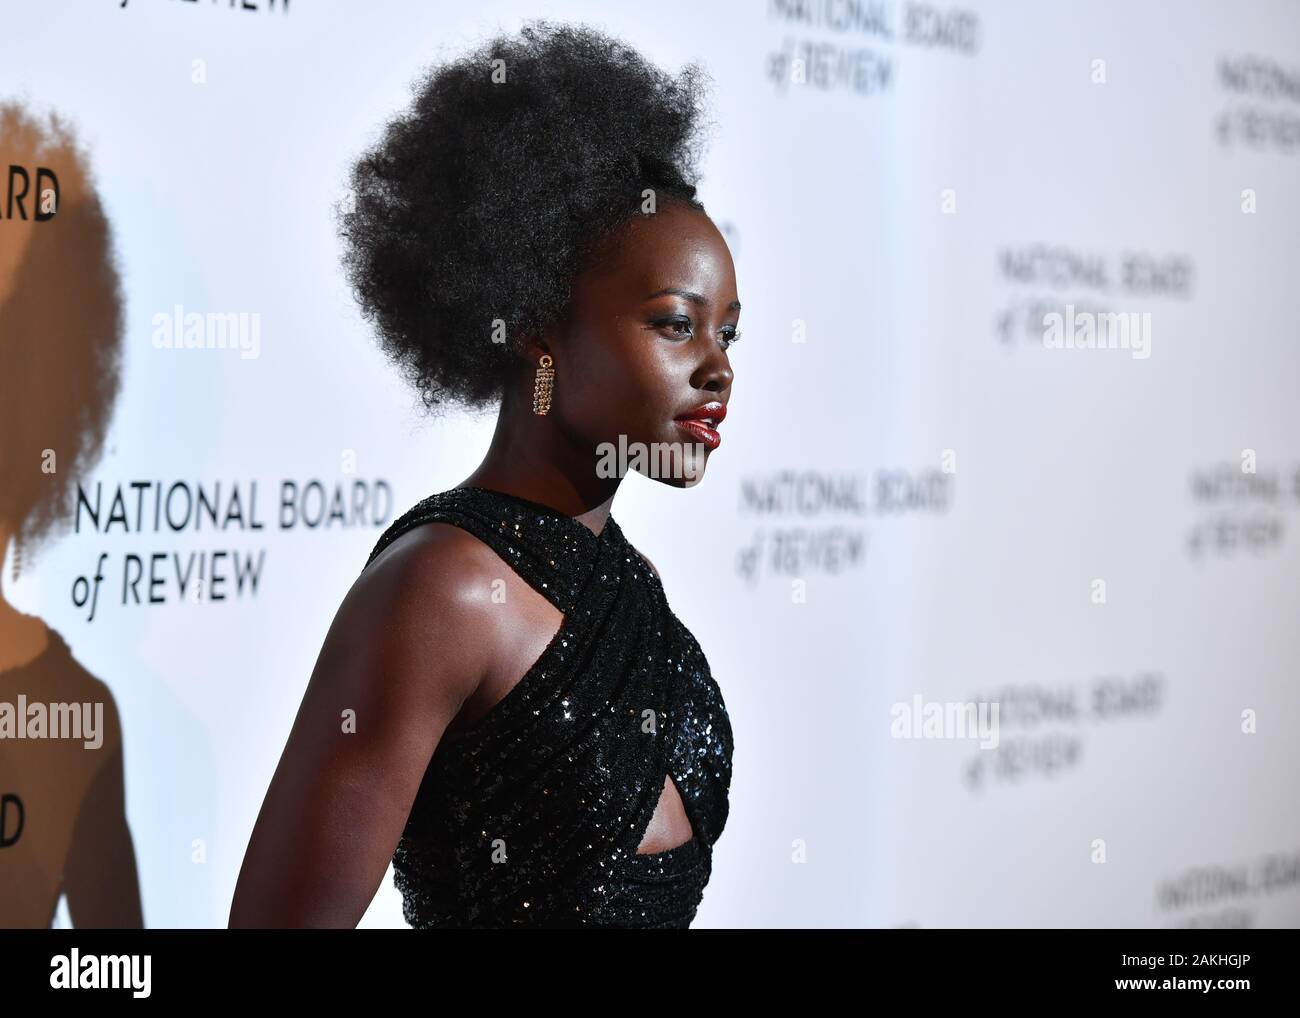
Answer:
(917, 497)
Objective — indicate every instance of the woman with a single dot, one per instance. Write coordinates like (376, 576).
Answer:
(505, 706)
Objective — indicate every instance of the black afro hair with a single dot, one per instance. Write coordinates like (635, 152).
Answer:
(479, 204)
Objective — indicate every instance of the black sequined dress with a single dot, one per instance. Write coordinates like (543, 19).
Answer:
(533, 816)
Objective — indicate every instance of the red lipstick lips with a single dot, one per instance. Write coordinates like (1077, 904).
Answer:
(703, 421)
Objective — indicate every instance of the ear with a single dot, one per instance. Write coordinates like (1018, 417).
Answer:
(545, 338)
(532, 347)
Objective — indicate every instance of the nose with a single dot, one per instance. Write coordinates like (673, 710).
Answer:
(713, 373)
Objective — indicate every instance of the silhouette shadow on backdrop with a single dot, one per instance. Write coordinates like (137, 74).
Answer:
(63, 828)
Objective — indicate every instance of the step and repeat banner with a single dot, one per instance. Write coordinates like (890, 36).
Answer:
(1004, 576)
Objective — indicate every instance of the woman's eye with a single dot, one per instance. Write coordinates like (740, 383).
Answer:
(682, 327)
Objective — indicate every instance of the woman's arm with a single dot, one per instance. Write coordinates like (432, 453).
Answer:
(406, 648)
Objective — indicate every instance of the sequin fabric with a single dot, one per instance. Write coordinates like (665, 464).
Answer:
(533, 816)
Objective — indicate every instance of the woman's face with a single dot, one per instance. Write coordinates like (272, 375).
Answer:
(645, 346)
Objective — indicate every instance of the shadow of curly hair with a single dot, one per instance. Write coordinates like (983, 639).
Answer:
(479, 204)
(61, 331)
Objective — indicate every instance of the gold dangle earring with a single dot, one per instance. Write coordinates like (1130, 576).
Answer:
(543, 386)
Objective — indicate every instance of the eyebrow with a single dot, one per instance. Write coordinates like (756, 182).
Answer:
(690, 295)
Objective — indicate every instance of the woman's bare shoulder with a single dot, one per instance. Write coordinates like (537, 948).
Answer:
(432, 559)
(422, 612)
